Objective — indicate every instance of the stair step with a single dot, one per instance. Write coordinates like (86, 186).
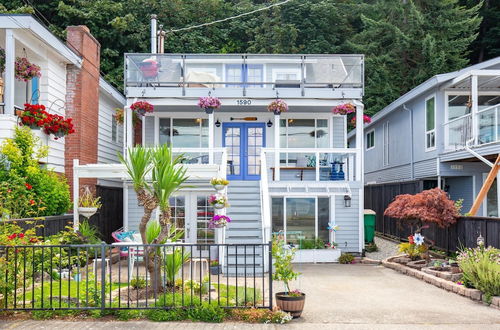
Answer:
(245, 233)
(243, 240)
(238, 225)
(244, 201)
(254, 217)
(243, 190)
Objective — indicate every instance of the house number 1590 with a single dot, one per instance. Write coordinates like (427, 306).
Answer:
(243, 102)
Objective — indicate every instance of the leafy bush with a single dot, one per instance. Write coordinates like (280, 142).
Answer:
(371, 247)
(309, 244)
(255, 315)
(128, 314)
(346, 258)
(283, 257)
(206, 313)
(481, 269)
(173, 263)
(138, 283)
(26, 189)
(412, 250)
(160, 315)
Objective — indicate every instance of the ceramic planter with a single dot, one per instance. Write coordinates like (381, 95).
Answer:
(215, 270)
(87, 212)
(219, 187)
(291, 304)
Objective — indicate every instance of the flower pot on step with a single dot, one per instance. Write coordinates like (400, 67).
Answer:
(291, 304)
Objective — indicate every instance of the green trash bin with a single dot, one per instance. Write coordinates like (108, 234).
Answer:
(369, 216)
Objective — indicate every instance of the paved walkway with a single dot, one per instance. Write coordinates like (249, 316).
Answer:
(386, 249)
(344, 297)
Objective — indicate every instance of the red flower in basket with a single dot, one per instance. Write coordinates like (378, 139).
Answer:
(142, 107)
(34, 116)
(58, 126)
(366, 119)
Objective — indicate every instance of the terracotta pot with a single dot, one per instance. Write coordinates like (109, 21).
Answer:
(291, 304)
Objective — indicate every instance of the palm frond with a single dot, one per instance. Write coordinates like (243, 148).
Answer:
(138, 164)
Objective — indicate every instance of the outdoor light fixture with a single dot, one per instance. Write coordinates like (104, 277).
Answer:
(269, 123)
(347, 201)
(217, 123)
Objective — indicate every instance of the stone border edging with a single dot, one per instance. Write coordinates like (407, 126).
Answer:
(473, 294)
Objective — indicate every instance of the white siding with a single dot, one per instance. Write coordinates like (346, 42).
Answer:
(107, 152)
(346, 218)
(339, 131)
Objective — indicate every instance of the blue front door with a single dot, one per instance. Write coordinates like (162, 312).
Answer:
(244, 142)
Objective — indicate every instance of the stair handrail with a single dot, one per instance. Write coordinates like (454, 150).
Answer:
(264, 199)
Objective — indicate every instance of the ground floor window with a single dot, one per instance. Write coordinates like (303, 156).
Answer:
(492, 201)
(304, 221)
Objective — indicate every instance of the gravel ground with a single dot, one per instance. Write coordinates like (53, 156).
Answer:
(386, 249)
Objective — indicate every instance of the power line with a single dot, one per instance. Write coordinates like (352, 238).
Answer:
(229, 18)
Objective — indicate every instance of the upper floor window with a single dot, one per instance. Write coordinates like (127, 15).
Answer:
(184, 133)
(304, 133)
(430, 123)
(114, 129)
(370, 140)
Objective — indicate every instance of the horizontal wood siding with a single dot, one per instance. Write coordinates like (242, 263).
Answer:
(396, 173)
(347, 219)
(107, 152)
(149, 132)
(426, 168)
(339, 131)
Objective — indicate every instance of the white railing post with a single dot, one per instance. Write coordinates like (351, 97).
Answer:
(76, 193)
(277, 148)
(211, 138)
(317, 165)
(474, 109)
(10, 56)
(264, 204)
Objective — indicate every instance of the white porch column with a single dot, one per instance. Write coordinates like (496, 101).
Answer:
(129, 130)
(276, 147)
(211, 138)
(76, 194)
(10, 56)
(474, 109)
(360, 172)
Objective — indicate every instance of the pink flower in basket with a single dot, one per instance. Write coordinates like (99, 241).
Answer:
(209, 103)
(366, 119)
(277, 106)
(219, 221)
(344, 109)
(25, 70)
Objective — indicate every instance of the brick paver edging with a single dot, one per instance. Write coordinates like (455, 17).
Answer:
(473, 294)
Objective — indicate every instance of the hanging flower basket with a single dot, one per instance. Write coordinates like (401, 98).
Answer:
(142, 107)
(59, 126)
(209, 104)
(25, 70)
(34, 116)
(218, 201)
(277, 106)
(219, 221)
(120, 117)
(219, 183)
(344, 109)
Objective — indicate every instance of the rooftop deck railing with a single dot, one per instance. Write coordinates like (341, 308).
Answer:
(244, 71)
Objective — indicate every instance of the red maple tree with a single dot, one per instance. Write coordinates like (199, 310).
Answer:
(428, 206)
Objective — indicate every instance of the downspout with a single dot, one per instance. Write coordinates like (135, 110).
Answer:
(412, 153)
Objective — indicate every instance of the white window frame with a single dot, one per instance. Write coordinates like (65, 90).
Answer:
(297, 71)
(171, 120)
(386, 144)
(485, 201)
(114, 127)
(373, 139)
(432, 131)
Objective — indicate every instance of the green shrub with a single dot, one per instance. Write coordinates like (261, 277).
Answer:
(178, 299)
(26, 189)
(128, 314)
(42, 315)
(346, 258)
(309, 244)
(371, 247)
(481, 269)
(207, 313)
(412, 250)
(138, 283)
(160, 315)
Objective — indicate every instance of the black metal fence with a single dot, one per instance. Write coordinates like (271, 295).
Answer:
(134, 276)
(462, 234)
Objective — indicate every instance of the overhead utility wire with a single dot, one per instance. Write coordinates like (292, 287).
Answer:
(229, 18)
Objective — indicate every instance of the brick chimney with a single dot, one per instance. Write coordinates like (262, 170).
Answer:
(82, 101)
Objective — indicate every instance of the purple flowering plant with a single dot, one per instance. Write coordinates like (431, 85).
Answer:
(219, 221)
(344, 109)
(209, 102)
(25, 70)
(277, 106)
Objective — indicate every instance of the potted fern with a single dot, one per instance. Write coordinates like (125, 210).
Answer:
(88, 204)
(291, 301)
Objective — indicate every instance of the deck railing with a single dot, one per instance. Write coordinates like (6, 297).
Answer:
(244, 71)
(114, 277)
(460, 131)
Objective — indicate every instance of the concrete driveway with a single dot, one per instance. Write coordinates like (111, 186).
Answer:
(344, 297)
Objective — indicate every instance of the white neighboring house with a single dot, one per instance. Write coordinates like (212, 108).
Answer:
(24, 36)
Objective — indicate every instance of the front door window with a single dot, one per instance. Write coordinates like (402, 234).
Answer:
(244, 142)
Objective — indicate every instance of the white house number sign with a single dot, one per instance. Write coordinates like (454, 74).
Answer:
(244, 102)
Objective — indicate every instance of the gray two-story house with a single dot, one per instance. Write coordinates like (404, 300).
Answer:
(443, 133)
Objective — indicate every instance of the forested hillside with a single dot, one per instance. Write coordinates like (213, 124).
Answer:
(405, 41)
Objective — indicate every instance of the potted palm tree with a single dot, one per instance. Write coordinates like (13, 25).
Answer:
(291, 301)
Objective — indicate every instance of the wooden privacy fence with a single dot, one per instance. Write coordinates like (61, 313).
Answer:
(107, 219)
(463, 233)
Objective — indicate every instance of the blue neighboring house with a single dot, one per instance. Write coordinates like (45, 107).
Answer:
(443, 133)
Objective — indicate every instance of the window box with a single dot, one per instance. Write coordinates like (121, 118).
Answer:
(316, 255)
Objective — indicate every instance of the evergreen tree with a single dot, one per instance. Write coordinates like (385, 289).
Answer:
(409, 41)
